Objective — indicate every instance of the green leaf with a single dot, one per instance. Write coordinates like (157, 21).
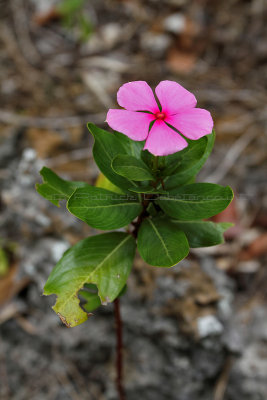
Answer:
(86, 27)
(171, 169)
(203, 233)
(3, 262)
(132, 147)
(191, 154)
(196, 201)
(90, 296)
(103, 209)
(148, 158)
(104, 260)
(152, 210)
(131, 167)
(147, 189)
(189, 161)
(68, 7)
(161, 243)
(104, 183)
(106, 147)
(55, 188)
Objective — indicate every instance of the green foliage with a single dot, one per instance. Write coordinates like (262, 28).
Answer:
(147, 189)
(55, 188)
(130, 146)
(106, 147)
(104, 183)
(74, 17)
(104, 260)
(159, 200)
(196, 201)
(90, 297)
(203, 233)
(68, 7)
(103, 209)
(3, 262)
(132, 168)
(190, 160)
(161, 243)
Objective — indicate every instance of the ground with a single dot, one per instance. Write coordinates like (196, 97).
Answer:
(197, 331)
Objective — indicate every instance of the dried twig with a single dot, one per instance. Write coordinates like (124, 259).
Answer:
(232, 155)
(74, 155)
(11, 118)
(21, 26)
(9, 311)
(98, 89)
(11, 46)
(221, 384)
(106, 63)
(67, 385)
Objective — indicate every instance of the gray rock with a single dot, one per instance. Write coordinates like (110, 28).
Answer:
(209, 326)
(155, 44)
(175, 23)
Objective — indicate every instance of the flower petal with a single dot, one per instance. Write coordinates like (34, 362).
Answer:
(174, 97)
(193, 123)
(135, 125)
(137, 96)
(162, 140)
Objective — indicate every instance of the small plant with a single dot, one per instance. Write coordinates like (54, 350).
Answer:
(147, 191)
(75, 18)
(7, 254)
(3, 262)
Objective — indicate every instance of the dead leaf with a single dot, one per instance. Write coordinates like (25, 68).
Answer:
(45, 142)
(180, 61)
(10, 311)
(199, 300)
(45, 18)
(10, 286)
(230, 214)
(256, 249)
(261, 220)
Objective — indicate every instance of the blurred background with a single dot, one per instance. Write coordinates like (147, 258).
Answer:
(194, 332)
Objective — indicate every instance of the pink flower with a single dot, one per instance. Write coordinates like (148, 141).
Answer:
(177, 109)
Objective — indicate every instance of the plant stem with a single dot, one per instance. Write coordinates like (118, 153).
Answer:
(119, 361)
(141, 217)
(155, 163)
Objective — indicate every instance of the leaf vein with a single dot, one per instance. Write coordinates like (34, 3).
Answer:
(98, 266)
(160, 238)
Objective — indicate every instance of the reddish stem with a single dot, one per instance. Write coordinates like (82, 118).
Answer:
(119, 361)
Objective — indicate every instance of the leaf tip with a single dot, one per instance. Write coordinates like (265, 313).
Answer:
(64, 320)
(75, 321)
(90, 127)
(104, 300)
(42, 170)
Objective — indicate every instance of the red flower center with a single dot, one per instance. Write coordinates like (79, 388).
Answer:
(160, 115)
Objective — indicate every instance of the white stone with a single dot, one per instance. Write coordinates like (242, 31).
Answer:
(29, 154)
(155, 43)
(175, 23)
(209, 326)
(57, 249)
